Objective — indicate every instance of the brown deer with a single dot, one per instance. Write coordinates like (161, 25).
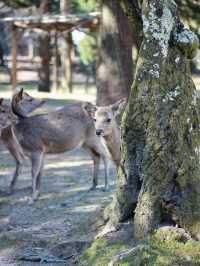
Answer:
(25, 103)
(106, 120)
(55, 132)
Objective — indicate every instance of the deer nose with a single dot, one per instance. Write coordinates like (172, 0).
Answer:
(99, 132)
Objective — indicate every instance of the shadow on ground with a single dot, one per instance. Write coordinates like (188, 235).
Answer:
(58, 227)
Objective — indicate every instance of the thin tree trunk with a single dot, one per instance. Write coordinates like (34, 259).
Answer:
(44, 53)
(158, 180)
(14, 56)
(68, 63)
(115, 63)
(56, 65)
(44, 70)
(66, 57)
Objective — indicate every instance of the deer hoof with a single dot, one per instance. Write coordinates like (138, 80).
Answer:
(37, 194)
(32, 201)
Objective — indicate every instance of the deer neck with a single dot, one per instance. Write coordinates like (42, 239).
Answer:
(113, 142)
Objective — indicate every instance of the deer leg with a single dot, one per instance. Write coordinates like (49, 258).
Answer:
(106, 171)
(15, 176)
(37, 162)
(98, 148)
(39, 177)
(96, 160)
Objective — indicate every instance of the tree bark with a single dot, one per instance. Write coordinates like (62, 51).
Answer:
(115, 64)
(44, 70)
(44, 53)
(158, 180)
(68, 63)
(66, 57)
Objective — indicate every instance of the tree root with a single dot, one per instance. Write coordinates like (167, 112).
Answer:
(136, 251)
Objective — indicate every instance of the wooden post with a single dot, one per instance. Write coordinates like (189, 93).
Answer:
(68, 63)
(45, 55)
(14, 56)
(30, 47)
(56, 65)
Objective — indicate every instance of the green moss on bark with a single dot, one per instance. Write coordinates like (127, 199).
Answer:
(163, 248)
(159, 174)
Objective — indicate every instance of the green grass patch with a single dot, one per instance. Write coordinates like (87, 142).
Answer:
(172, 252)
(161, 253)
(101, 252)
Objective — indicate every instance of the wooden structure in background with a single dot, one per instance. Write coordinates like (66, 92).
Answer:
(51, 23)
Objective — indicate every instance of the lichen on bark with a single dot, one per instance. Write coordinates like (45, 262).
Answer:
(159, 173)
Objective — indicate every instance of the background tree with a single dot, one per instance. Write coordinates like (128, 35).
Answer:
(159, 173)
(87, 49)
(44, 52)
(85, 6)
(66, 57)
(115, 63)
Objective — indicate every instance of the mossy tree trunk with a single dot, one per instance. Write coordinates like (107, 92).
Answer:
(159, 177)
(115, 62)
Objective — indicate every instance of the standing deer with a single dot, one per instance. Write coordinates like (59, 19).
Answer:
(55, 132)
(107, 126)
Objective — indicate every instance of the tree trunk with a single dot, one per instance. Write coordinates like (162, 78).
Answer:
(44, 53)
(65, 6)
(44, 71)
(115, 63)
(158, 180)
(66, 57)
(68, 63)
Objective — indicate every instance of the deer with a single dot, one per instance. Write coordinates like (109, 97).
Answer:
(55, 132)
(6, 115)
(25, 102)
(106, 121)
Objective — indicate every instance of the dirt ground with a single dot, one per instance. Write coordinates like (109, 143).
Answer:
(61, 224)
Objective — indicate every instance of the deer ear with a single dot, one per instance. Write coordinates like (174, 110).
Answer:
(1, 100)
(89, 108)
(20, 94)
(118, 106)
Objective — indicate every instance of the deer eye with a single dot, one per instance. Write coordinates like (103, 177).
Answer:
(108, 120)
(94, 120)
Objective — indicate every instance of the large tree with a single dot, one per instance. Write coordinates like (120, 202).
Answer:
(158, 180)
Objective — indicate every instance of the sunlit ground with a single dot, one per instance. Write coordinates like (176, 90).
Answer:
(62, 98)
(67, 210)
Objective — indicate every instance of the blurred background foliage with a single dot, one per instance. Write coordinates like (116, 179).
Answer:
(83, 6)
(87, 49)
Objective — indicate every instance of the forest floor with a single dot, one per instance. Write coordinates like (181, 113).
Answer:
(62, 223)
(58, 229)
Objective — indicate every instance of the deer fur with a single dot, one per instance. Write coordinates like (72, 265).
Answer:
(52, 133)
(106, 120)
